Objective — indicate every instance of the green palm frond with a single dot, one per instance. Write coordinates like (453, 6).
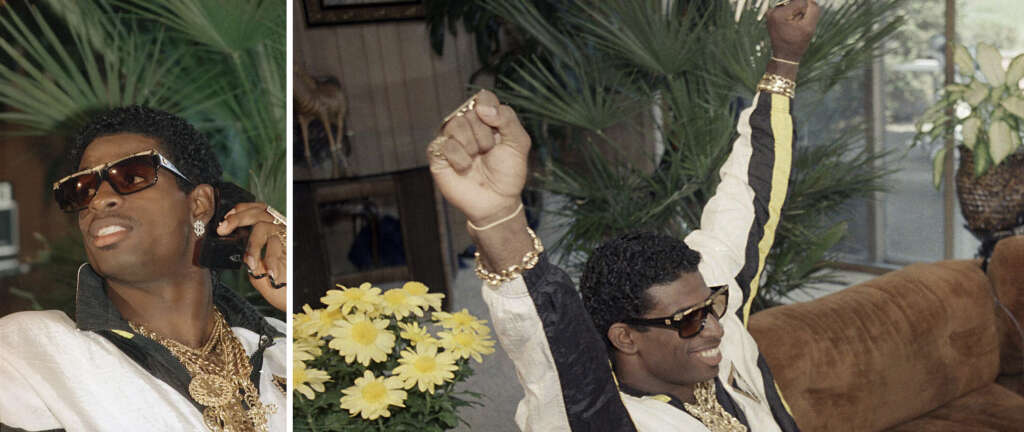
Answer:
(852, 32)
(228, 26)
(591, 97)
(653, 35)
(55, 89)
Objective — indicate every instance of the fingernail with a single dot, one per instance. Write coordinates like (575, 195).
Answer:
(272, 275)
(486, 111)
(229, 213)
(250, 261)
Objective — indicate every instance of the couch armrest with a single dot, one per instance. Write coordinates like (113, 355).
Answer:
(885, 351)
(1006, 271)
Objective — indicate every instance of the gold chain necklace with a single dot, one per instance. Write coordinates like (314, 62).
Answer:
(220, 372)
(710, 412)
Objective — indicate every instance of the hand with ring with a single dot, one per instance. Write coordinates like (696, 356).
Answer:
(479, 159)
(791, 25)
(266, 257)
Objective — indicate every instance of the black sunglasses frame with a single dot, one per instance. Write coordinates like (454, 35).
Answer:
(674, 321)
(103, 171)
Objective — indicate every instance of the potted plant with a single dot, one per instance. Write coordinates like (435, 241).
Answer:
(373, 361)
(984, 110)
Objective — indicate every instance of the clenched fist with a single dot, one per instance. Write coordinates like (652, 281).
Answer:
(791, 27)
(479, 159)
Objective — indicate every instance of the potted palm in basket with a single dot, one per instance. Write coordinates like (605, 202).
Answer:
(984, 109)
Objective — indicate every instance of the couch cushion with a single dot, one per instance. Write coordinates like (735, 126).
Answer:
(990, 408)
(883, 352)
(1004, 269)
(1014, 383)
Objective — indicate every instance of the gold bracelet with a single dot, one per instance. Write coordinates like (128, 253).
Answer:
(777, 84)
(786, 61)
(497, 222)
(530, 259)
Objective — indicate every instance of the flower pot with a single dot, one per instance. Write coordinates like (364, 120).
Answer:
(994, 201)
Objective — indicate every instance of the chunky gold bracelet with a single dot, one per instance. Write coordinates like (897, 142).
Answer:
(530, 259)
(777, 84)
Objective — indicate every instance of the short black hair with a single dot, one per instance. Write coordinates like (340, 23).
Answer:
(179, 141)
(617, 275)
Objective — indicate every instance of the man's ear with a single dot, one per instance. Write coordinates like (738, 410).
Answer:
(621, 335)
(202, 201)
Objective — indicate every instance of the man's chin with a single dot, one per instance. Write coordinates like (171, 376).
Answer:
(113, 262)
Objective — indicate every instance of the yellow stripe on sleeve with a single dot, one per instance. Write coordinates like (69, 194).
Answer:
(123, 334)
(782, 131)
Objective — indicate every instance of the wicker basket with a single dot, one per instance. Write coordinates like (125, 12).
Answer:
(994, 201)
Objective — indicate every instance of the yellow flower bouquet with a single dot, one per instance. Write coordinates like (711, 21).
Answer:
(369, 361)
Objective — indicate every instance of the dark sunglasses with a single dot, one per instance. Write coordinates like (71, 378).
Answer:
(127, 175)
(690, 322)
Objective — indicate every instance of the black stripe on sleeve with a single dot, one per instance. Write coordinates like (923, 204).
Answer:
(782, 416)
(759, 176)
(592, 400)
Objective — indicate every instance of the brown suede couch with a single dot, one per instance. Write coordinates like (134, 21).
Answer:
(924, 348)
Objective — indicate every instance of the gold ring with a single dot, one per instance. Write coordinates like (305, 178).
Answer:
(279, 218)
(435, 148)
(466, 107)
(283, 237)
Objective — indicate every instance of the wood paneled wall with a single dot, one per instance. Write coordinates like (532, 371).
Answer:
(397, 88)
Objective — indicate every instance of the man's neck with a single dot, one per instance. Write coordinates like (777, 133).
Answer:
(179, 308)
(639, 380)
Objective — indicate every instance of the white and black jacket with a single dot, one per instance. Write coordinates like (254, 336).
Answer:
(97, 374)
(560, 358)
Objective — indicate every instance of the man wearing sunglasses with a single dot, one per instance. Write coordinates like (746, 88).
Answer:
(157, 342)
(658, 341)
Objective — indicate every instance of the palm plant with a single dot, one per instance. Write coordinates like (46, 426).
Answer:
(218, 63)
(676, 72)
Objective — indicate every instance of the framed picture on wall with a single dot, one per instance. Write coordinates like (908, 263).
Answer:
(330, 12)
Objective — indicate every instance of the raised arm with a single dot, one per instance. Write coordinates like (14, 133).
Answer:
(739, 222)
(480, 166)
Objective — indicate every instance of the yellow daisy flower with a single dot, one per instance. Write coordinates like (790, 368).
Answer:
(362, 339)
(307, 348)
(365, 298)
(416, 334)
(425, 368)
(417, 289)
(370, 397)
(315, 321)
(399, 303)
(308, 381)
(466, 344)
(461, 320)
(300, 325)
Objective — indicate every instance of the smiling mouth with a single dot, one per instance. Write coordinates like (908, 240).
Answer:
(709, 353)
(109, 235)
(710, 356)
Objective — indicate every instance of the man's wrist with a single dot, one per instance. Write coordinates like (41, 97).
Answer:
(785, 70)
(504, 244)
(503, 212)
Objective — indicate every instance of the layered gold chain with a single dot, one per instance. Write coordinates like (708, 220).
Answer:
(710, 412)
(220, 372)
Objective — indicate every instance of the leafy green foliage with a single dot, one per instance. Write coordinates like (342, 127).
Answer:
(984, 110)
(422, 412)
(686, 67)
